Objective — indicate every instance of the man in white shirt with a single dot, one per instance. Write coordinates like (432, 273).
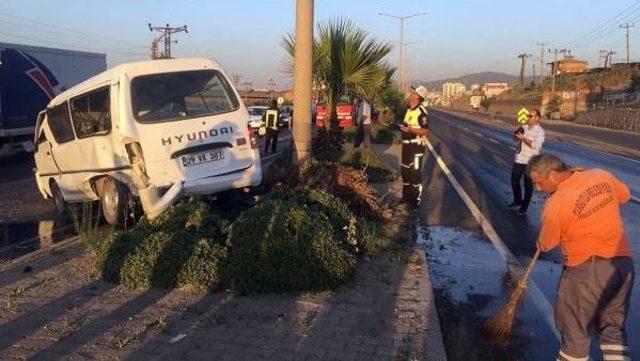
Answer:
(530, 138)
(363, 123)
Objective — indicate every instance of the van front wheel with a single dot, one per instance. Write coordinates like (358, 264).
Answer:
(113, 199)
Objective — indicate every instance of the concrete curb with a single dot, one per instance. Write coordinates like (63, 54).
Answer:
(432, 334)
(432, 337)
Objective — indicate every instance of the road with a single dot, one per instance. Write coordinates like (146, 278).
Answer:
(28, 222)
(596, 138)
(467, 269)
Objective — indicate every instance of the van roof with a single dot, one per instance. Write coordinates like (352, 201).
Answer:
(134, 69)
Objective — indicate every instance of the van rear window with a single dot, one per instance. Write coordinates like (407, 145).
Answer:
(181, 95)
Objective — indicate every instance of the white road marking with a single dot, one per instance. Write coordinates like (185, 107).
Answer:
(514, 148)
(493, 140)
(539, 300)
(635, 199)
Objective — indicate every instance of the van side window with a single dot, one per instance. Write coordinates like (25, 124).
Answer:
(90, 113)
(60, 123)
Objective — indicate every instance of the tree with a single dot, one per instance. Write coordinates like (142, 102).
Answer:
(553, 105)
(486, 103)
(346, 61)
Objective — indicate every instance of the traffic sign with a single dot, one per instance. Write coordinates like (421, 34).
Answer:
(523, 114)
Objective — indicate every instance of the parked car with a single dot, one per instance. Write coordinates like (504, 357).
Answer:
(255, 115)
(150, 131)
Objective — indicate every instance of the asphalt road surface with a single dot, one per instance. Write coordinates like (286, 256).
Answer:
(467, 269)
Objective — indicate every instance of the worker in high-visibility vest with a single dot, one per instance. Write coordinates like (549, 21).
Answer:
(271, 121)
(414, 137)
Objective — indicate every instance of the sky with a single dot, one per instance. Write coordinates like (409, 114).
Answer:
(455, 37)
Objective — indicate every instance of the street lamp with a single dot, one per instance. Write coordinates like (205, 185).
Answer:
(401, 51)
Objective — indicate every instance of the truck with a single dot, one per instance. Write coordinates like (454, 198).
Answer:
(30, 76)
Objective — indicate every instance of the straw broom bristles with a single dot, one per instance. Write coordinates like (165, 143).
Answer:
(499, 326)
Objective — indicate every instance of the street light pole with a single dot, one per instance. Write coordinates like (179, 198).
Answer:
(401, 70)
(302, 80)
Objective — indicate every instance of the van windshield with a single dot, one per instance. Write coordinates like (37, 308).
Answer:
(181, 95)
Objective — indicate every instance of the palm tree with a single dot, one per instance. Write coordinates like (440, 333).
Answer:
(346, 61)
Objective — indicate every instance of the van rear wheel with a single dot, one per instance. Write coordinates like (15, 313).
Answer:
(114, 199)
(58, 199)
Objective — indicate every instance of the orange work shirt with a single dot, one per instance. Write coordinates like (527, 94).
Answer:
(583, 217)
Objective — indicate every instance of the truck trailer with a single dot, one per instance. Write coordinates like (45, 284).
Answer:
(30, 76)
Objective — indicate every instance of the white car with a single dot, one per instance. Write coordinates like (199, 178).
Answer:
(152, 130)
(255, 116)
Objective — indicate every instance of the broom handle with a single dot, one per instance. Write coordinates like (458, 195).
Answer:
(523, 280)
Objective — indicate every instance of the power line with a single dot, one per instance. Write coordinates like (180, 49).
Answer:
(74, 31)
(611, 21)
(67, 45)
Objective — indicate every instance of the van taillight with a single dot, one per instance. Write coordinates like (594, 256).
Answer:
(252, 138)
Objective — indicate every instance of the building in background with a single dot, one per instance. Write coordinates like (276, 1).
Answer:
(493, 89)
(450, 89)
(569, 65)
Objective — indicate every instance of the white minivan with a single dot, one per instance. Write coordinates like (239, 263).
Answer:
(153, 130)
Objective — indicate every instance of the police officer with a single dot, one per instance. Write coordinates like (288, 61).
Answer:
(414, 132)
(271, 121)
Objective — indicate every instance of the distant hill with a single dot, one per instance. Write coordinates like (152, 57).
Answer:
(468, 79)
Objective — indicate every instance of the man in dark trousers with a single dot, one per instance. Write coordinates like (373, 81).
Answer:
(271, 121)
(363, 123)
(582, 216)
(530, 138)
(414, 132)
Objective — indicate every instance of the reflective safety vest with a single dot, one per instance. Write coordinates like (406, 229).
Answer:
(272, 119)
(412, 116)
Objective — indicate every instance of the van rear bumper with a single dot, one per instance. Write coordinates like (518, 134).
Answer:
(249, 177)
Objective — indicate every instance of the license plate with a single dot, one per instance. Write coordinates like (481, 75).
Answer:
(204, 157)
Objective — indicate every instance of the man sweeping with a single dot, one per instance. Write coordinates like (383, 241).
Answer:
(582, 216)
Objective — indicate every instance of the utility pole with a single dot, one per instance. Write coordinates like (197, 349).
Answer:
(554, 67)
(533, 66)
(272, 85)
(401, 67)
(247, 86)
(523, 58)
(542, 45)
(235, 79)
(626, 28)
(165, 32)
(601, 57)
(608, 60)
(302, 80)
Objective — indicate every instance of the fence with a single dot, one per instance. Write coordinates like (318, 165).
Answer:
(623, 119)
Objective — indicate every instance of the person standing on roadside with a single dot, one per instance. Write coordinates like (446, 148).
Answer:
(414, 135)
(582, 216)
(530, 138)
(363, 123)
(271, 121)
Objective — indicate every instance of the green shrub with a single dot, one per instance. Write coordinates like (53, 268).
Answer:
(183, 247)
(285, 246)
(318, 200)
(373, 238)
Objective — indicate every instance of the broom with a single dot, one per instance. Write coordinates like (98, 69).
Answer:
(499, 326)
